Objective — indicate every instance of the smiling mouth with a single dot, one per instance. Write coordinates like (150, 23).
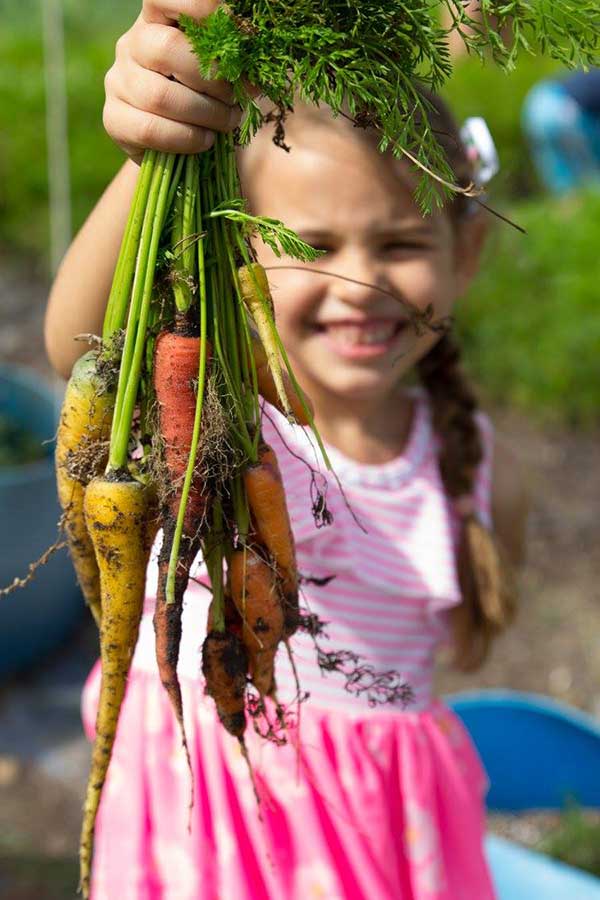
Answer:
(373, 334)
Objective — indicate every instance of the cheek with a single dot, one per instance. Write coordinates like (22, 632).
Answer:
(294, 303)
(425, 281)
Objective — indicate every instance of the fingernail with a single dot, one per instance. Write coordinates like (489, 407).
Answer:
(234, 117)
(209, 139)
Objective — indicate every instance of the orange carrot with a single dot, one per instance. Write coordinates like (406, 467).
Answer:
(255, 592)
(224, 665)
(270, 517)
(175, 378)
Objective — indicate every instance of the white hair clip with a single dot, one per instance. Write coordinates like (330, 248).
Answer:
(481, 150)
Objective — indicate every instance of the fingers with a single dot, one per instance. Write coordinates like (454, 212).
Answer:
(135, 130)
(167, 12)
(152, 93)
(167, 50)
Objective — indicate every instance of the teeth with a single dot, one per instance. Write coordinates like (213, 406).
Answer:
(357, 335)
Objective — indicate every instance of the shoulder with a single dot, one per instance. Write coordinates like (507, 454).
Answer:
(509, 500)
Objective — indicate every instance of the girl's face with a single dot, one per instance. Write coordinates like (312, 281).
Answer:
(349, 341)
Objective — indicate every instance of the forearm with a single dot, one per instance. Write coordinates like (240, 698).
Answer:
(80, 291)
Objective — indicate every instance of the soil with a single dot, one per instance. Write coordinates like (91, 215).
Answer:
(552, 649)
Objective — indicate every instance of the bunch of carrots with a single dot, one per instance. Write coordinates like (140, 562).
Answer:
(161, 425)
(161, 429)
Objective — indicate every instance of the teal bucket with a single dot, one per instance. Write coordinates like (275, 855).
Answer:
(36, 619)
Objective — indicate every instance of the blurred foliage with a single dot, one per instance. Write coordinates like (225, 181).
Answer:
(477, 89)
(575, 840)
(91, 32)
(17, 445)
(530, 326)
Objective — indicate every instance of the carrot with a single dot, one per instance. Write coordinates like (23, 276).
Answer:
(256, 294)
(175, 375)
(270, 517)
(268, 389)
(224, 665)
(167, 620)
(117, 517)
(255, 593)
(81, 453)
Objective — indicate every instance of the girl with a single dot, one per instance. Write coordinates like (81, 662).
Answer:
(362, 801)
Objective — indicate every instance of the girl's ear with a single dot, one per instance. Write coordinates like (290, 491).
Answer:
(471, 234)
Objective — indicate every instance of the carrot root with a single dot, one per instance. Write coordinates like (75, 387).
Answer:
(224, 664)
(117, 516)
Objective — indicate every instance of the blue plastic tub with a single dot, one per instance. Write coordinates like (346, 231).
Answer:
(33, 620)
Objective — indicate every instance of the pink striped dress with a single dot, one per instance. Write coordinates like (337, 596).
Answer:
(364, 802)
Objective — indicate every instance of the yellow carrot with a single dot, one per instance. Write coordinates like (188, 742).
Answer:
(268, 389)
(256, 294)
(81, 453)
(121, 524)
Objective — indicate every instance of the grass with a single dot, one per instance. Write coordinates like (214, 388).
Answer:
(576, 840)
(25, 877)
(529, 326)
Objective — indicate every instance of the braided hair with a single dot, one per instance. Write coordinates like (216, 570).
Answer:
(488, 602)
(488, 592)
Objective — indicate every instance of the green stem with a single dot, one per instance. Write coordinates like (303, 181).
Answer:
(251, 399)
(240, 508)
(175, 181)
(226, 346)
(116, 310)
(133, 352)
(275, 335)
(136, 296)
(183, 237)
(189, 474)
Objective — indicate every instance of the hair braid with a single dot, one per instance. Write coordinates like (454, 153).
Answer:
(487, 595)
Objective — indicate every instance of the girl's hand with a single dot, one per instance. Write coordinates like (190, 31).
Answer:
(155, 96)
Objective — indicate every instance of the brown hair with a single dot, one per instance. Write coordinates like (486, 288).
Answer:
(488, 591)
(488, 597)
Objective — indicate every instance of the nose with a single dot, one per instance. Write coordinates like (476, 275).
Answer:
(362, 278)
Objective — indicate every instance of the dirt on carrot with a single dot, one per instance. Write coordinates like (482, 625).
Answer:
(255, 592)
(81, 454)
(122, 525)
(224, 666)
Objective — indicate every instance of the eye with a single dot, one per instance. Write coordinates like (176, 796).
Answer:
(404, 247)
(323, 246)
(319, 241)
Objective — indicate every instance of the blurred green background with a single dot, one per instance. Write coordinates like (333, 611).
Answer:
(529, 332)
